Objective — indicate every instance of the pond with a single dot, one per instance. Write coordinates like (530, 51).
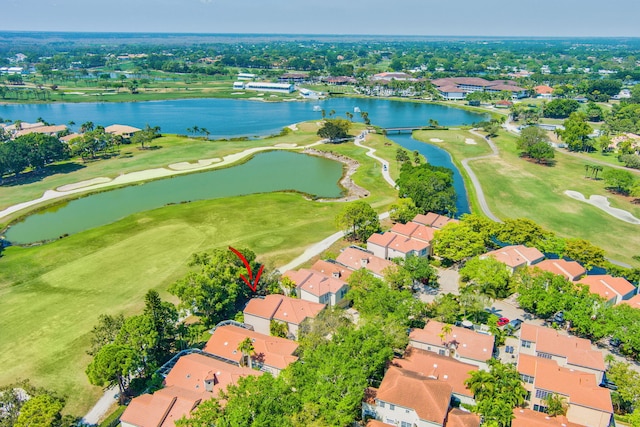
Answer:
(266, 172)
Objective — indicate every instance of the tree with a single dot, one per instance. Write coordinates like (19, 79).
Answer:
(420, 270)
(576, 132)
(556, 404)
(560, 108)
(105, 332)
(620, 180)
(86, 127)
(584, 252)
(138, 333)
(430, 187)
(164, 317)
(146, 135)
(40, 411)
(398, 278)
(278, 329)
(359, 221)
(403, 211)
(457, 241)
(534, 143)
(113, 364)
(334, 129)
(247, 350)
(489, 275)
(402, 155)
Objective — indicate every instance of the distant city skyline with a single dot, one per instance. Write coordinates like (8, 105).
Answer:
(543, 18)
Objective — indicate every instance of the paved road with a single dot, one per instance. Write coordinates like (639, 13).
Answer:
(482, 201)
(385, 165)
(101, 408)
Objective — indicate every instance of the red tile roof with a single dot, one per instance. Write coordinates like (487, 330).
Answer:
(271, 351)
(580, 387)
(528, 418)
(406, 245)
(578, 351)
(433, 220)
(314, 282)
(516, 256)
(353, 258)
(469, 344)
(160, 409)
(280, 307)
(441, 368)
(428, 397)
(543, 90)
(382, 239)
(569, 269)
(607, 286)
(376, 423)
(633, 302)
(329, 268)
(459, 418)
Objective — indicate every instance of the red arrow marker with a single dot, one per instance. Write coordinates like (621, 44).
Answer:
(253, 286)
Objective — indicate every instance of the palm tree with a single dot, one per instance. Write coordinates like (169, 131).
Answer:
(445, 331)
(556, 404)
(246, 347)
(86, 127)
(586, 170)
(609, 359)
(481, 384)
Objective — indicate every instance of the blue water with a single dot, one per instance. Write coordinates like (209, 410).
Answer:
(438, 157)
(226, 118)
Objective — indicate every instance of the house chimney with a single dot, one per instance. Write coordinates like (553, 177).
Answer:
(364, 262)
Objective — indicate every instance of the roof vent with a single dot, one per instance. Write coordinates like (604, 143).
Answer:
(445, 376)
(435, 365)
(464, 345)
(226, 343)
(484, 349)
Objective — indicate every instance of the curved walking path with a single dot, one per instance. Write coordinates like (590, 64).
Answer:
(144, 175)
(323, 245)
(482, 201)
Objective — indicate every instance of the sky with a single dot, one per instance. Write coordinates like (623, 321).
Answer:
(540, 18)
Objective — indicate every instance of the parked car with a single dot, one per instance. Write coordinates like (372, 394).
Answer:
(503, 321)
(515, 324)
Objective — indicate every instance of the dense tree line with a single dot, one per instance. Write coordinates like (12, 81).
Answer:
(429, 187)
(23, 404)
(31, 151)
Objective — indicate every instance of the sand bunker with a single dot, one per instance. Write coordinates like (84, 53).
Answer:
(286, 145)
(293, 127)
(182, 166)
(436, 140)
(470, 141)
(602, 202)
(83, 184)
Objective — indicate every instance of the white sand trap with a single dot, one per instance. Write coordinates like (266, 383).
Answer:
(470, 141)
(83, 184)
(183, 166)
(293, 127)
(436, 140)
(286, 145)
(602, 202)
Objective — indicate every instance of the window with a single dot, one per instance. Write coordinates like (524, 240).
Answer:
(540, 408)
(405, 424)
(526, 378)
(381, 403)
(542, 394)
(441, 352)
(526, 344)
(544, 355)
(508, 349)
(392, 407)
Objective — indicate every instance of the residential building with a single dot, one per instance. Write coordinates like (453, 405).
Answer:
(568, 351)
(433, 220)
(311, 285)
(441, 368)
(122, 130)
(246, 76)
(408, 399)
(612, 289)
(194, 378)
(355, 258)
(271, 354)
(571, 270)
(461, 344)
(588, 404)
(465, 85)
(413, 239)
(43, 129)
(633, 302)
(523, 417)
(238, 85)
(544, 91)
(332, 268)
(515, 257)
(259, 313)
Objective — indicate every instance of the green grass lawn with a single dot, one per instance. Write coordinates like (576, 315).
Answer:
(51, 295)
(518, 188)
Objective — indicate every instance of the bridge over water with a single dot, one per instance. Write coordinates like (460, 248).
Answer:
(410, 129)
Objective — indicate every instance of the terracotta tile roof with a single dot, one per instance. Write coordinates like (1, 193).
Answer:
(516, 256)
(632, 302)
(543, 90)
(569, 269)
(469, 344)
(271, 351)
(528, 418)
(316, 283)
(383, 240)
(353, 258)
(280, 307)
(405, 229)
(428, 397)
(578, 351)
(160, 409)
(69, 137)
(607, 286)
(406, 245)
(329, 268)
(580, 387)
(376, 423)
(423, 233)
(441, 368)
(41, 129)
(433, 220)
(192, 370)
(459, 418)
(451, 89)
(507, 87)
(121, 129)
